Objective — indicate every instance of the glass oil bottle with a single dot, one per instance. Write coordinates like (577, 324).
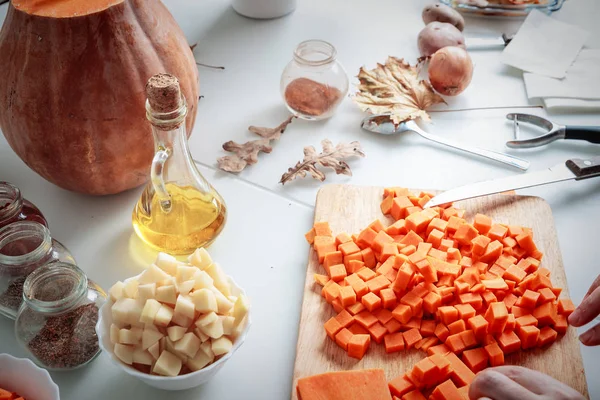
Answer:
(179, 210)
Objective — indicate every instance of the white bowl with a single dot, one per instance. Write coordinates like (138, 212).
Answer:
(22, 376)
(181, 382)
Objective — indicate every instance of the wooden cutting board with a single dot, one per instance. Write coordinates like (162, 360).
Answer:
(350, 209)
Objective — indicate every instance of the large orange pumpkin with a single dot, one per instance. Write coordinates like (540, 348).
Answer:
(72, 79)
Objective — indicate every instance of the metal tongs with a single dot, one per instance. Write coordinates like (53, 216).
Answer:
(554, 132)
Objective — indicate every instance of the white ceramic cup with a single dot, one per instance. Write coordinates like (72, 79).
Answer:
(263, 9)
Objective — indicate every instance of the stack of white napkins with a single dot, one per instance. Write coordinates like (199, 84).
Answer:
(556, 68)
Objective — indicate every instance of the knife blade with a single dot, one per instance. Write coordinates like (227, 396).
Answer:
(575, 168)
(477, 43)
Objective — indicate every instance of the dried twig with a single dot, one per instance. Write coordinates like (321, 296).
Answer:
(331, 157)
(247, 153)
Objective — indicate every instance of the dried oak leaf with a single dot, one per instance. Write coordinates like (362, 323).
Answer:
(332, 157)
(395, 89)
(247, 153)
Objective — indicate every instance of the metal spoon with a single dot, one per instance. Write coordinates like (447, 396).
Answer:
(383, 125)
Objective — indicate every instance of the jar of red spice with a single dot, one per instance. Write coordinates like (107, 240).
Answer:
(314, 83)
(56, 322)
(13, 207)
(24, 247)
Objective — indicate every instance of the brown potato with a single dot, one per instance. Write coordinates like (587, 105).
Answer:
(437, 35)
(443, 13)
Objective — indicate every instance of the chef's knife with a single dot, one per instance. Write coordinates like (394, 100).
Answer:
(481, 43)
(572, 169)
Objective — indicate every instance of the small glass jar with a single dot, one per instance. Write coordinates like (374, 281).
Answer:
(56, 322)
(24, 247)
(13, 207)
(314, 83)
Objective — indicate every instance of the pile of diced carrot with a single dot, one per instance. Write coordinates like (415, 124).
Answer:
(436, 282)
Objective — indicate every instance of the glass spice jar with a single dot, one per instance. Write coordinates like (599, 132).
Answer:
(13, 207)
(314, 83)
(56, 322)
(24, 247)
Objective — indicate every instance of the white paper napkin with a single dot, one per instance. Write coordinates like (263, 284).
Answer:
(544, 45)
(571, 104)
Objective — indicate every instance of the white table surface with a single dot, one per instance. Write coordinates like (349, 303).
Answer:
(262, 245)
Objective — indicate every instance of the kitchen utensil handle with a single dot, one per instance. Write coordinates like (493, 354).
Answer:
(589, 133)
(584, 168)
(501, 157)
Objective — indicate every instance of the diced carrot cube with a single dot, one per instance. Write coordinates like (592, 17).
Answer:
(461, 374)
(519, 311)
(414, 322)
(387, 266)
(330, 291)
(546, 314)
(565, 307)
(342, 238)
(383, 315)
(526, 320)
(510, 323)
(371, 301)
(390, 250)
(514, 273)
(413, 301)
(482, 223)
(337, 305)
(510, 300)
(496, 270)
(402, 313)
(461, 287)
(465, 234)
(431, 302)
(351, 279)
(377, 331)
(546, 295)
(529, 299)
(435, 237)
(397, 228)
(321, 279)
(358, 329)
(376, 284)
(399, 206)
(454, 222)
(547, 336)
(447, 244)
(448, 314)
(441, 332)
(388, 298)
(497, 232)
(475, 359)
(468, 338)
(386, 205)
(393, 326)
(348, 262)
(394, 342)
(368, 257)
(457, 326)
(332, 327)
(411, 238)
(496, 316)
(322, 229)
(427, 328)
(474, 299)
(348, 248)
(529, 336)
(343, 337)
(344, 318)
(365, 318)
(411, 337)
(366, 274)
(310, 236)
(492, 252)
(455, 343)
(358, 345)
(324, 245)
(525, 241)
(495, 354)
(407, 250)
(490, 297)
(400, 385)
(366, 238)
(360, 288)
(414, 395)
(509, 342)
(425, 371)
(347, 296)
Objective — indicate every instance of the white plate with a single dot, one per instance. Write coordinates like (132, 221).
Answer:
(181, 382)
(22, 376)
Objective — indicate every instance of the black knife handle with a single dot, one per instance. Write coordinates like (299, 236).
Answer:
(589, 133)
(586, 168)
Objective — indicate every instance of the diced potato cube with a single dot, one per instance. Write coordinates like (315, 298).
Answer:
(221, 345)
(240, 309)
(131, 288)
(154, 350)
(130, 336)
(147, 291)
(152, 274)
(167, 263)
(207, 319)
(149, 311)
(203, 337)
(200, 361)
(184, 307)
(221, 281)
(223, 303)
(150, 337)
(117, 291)
(182, 320)
(206, 348)
(164, 316)
(126, 311)
(204, 300)
(203, 280)
(228, 323)
(170, 281)
(176, 332)
(170, 347)
(184, 288)
(124, 353)
(166, 294)
(142, 357)
(200, 258)
(188, 344)
(167, 364)
(214, 329)
(114, 333)
(185, 273)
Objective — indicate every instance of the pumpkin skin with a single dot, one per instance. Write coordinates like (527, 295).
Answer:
(72, 90)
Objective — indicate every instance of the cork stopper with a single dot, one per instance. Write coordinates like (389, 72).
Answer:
(164, 93)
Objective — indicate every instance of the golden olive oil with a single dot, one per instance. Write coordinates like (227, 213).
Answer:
(194, 219)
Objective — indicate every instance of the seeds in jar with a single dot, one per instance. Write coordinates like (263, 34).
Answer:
(311, 98)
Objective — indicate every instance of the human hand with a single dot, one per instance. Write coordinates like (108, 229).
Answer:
(518, 383)
(586, 312)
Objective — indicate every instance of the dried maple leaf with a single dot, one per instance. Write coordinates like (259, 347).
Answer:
(247, 153)
(332, 157)
(395, 89)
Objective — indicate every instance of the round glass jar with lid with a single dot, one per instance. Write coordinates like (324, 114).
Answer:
(314, 83)
(24, 247)
(13, 207)
(56, 322)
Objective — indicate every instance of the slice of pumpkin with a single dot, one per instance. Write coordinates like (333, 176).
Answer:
(369, 384)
